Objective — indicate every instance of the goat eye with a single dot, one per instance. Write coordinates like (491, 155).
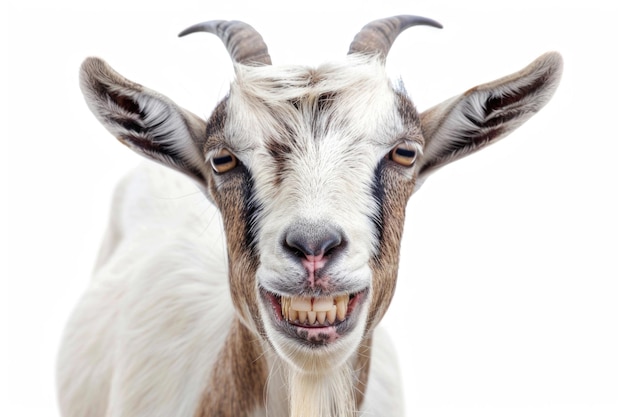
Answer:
(223, 161)
(405, 154)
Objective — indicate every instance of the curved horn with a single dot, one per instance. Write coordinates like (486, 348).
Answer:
(243, 42)
(377, 37)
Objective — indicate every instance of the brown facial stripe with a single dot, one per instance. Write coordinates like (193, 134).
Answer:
(217, 122)
(280, 151)
(384, 266)
(237, 384)
(407, 111)
(410, 117)
(233, 193)
(320, 110)
(235, 200)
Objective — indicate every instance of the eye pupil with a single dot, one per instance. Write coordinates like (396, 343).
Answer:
(223, 161)
(405, 154)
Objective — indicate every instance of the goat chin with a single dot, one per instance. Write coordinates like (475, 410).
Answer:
(320, 360)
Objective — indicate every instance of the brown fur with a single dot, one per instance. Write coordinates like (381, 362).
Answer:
(237, 383)
(397, 191)
(230, 196)
(307, 104)
(229, 192)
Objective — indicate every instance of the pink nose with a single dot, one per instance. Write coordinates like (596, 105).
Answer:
(313, 263)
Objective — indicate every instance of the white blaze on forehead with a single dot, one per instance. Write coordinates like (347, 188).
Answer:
(261, 104)
(324, 153)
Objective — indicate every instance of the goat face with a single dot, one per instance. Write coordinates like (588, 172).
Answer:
(311, 170)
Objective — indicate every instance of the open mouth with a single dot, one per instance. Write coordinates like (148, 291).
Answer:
(330, 313)
(315, 311)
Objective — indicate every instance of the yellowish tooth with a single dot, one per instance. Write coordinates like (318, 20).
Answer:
(321, 317)
(322, 303)
(342, 308)
(301, 303)
(302, 316)
(331, 315)
(293, 314)
(283, 306)
(311, 316)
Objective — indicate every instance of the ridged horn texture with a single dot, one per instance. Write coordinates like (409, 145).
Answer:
(377, 37)
(244, 44)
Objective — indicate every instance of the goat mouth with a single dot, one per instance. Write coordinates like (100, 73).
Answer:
(315, 320)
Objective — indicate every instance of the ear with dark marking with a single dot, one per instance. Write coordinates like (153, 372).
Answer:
(147, 122)
(486, 113)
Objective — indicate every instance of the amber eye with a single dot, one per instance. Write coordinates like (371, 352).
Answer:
(223, 161)
(405, 154)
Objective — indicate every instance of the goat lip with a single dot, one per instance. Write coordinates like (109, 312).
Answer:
(316, 334)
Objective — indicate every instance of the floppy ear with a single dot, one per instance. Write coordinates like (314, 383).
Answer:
(486, 113)
(145, 121)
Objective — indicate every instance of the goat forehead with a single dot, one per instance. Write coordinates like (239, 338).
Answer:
(290, 111)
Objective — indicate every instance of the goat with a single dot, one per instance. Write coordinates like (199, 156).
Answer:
(262, 294)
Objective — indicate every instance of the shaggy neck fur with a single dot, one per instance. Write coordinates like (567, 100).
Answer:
(319, 395)
(239, 382)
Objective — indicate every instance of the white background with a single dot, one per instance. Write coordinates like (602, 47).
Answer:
(510, 300)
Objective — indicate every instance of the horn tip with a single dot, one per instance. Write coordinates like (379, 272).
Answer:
(210, 26)
(412, 20)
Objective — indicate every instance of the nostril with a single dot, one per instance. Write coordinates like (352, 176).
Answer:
(313, 243)
(296, 245)
(298, 248)
(329, 244)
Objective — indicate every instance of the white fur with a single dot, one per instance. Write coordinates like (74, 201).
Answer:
(157, 317)
(144, 337)
(330, 172)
